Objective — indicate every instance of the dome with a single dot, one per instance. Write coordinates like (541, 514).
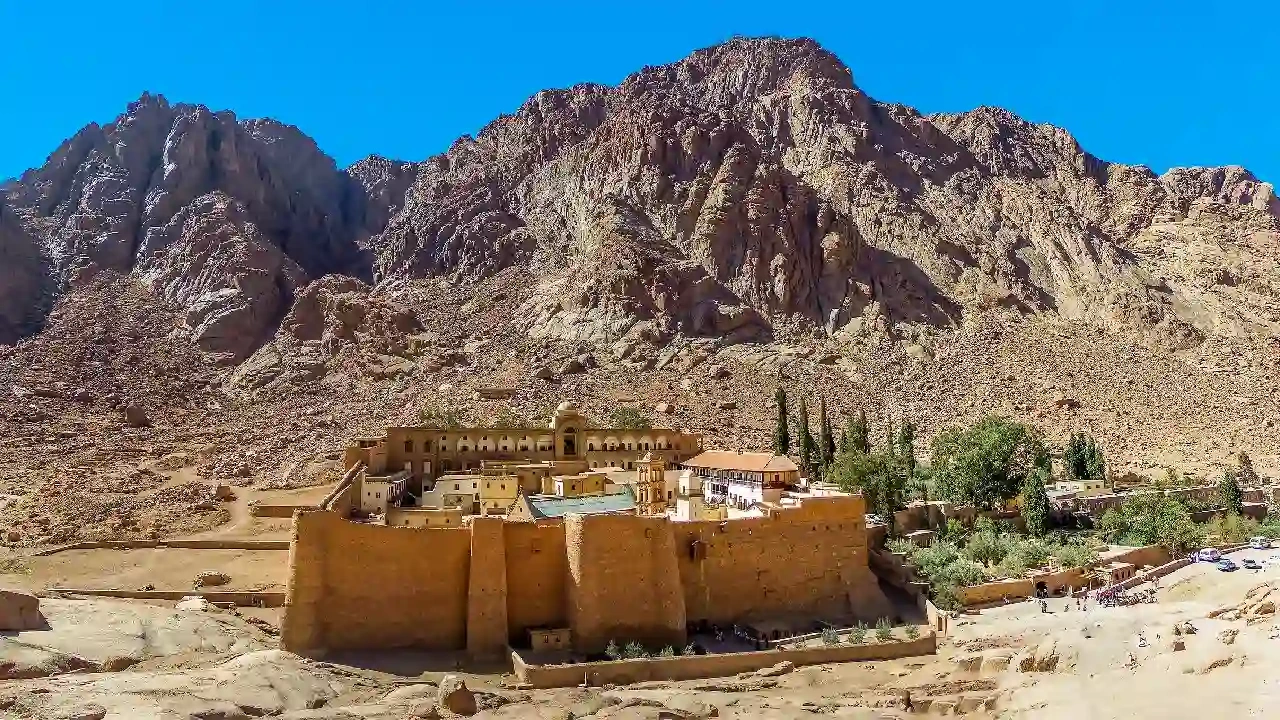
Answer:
(567, 407)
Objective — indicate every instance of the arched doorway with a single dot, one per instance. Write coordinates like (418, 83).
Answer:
(570, 442)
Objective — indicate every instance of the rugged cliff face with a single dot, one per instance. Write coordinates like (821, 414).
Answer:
(25, 285)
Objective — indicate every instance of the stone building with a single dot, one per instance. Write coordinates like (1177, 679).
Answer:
(651, 486)
(423, 454)
(742, 478)
(553, 508)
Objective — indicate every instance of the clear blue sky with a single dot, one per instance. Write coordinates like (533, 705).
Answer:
(1159, 83)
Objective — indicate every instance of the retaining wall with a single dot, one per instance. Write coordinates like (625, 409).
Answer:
(187, 544)
(242, 598)
(279, 511)
(689, 667)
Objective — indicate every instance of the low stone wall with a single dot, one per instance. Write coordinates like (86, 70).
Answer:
(279, 511)
(1140, 556)
(1152, 574)
(241, 598)
(691, 667)
(1013, 588)
(161, 544)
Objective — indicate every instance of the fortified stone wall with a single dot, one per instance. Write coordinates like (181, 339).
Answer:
(624, 583)
(811, 559)
(606, 577)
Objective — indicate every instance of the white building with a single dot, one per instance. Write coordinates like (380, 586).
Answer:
(742, 479)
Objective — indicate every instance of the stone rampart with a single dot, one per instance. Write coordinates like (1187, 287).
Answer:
(605, 577)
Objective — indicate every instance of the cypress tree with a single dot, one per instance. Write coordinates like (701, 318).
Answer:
(1035, 503)
(1229, 492)
(826, 441)
(807, 447)
(907, 448)
(1095, 463)
(860, 434)
(781, 434)
(890, 441)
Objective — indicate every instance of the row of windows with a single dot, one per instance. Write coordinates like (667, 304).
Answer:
(543, 446)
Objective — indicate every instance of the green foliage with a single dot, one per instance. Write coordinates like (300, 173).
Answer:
(1035, 502)
(613, 651)
(634, 651)
(906, 442)
(1229, 493)
(1232, 528)
(826, 441)
(987, 547)
(952, 531)
(1075, 554)
(859, 433)
(876, 475)
(1083, 458)
(1150, 519)
(629, 418)
(667, 651)
(808, 447)
(781, 433)
(830, 636)
(440, 417)
(884, 631)
(912, 632)
(688, 650)
(858, 634)
(988, 463)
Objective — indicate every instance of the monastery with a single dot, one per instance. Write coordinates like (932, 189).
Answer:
(567, 538)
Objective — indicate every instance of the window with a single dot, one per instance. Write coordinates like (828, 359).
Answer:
(591, 447)
(456, 486)
(408, 446)
(503, 486)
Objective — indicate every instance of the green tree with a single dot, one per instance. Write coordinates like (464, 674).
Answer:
(1151, 519)
(826, 442)
(906, 441)
(781, 433)
(1095, 465)
(808, 447)
(987, 463)
(1035, 503)
(876, 475)
(860, 433)
(1229, 492)
(890, 442)
(629, 418)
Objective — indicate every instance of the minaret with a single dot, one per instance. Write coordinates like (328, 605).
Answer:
(651, 486)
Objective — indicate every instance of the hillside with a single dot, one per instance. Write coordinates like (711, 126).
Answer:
(747, 207)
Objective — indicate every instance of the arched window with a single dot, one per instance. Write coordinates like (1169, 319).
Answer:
(408, 446)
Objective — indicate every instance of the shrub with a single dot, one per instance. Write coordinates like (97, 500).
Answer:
(858, 634)
(688, 650)
(900, 545)
(667, 651)
(987, 547)
(913, 632)
(634, 650)
(613, 651)
(629, 418)
(830, 636)
(884, 631)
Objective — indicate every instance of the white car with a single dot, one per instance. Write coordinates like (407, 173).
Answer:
(1260, 543)
(1209, 555)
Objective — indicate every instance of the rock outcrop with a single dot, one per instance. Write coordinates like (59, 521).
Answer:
(26, 287)
(20, 611)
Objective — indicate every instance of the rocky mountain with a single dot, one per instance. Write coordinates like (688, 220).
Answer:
(748, 204)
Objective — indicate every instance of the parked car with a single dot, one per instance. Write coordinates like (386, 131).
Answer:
(1225, 565)
(1251, 564)
(1260, 543)
(1210, 555)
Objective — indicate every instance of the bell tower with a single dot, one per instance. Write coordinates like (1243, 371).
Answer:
(651, 485)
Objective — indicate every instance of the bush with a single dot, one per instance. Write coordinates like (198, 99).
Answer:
(629, 418)
(667, 651)
(913, 632)
(612, 651)
(830, 636)
(688, 650)
(858, 634)
(634, 650)
(986, 547)
(1232, 528)
(884, 631)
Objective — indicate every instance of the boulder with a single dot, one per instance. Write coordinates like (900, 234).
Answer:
(544, 372)
(717, 372)
(135, 416)
(781, 668)
(424, 711)
(20, 611)
(1228, 636)
(453, 695)
(571, 366)
(1177, 644)
(193, 603)
(665, 408)
(727, 405)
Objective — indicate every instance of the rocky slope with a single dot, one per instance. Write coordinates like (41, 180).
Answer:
(747, 208)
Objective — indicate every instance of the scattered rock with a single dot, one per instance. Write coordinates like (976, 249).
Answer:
(87, 711)
(20, 611)
(544, 372)
(781, 668)
(1178, 644)
(727, 405)
(665, 408)
(116, 663)
(135, 416)
(717, 372)
(453, 695)
(1228, 636)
